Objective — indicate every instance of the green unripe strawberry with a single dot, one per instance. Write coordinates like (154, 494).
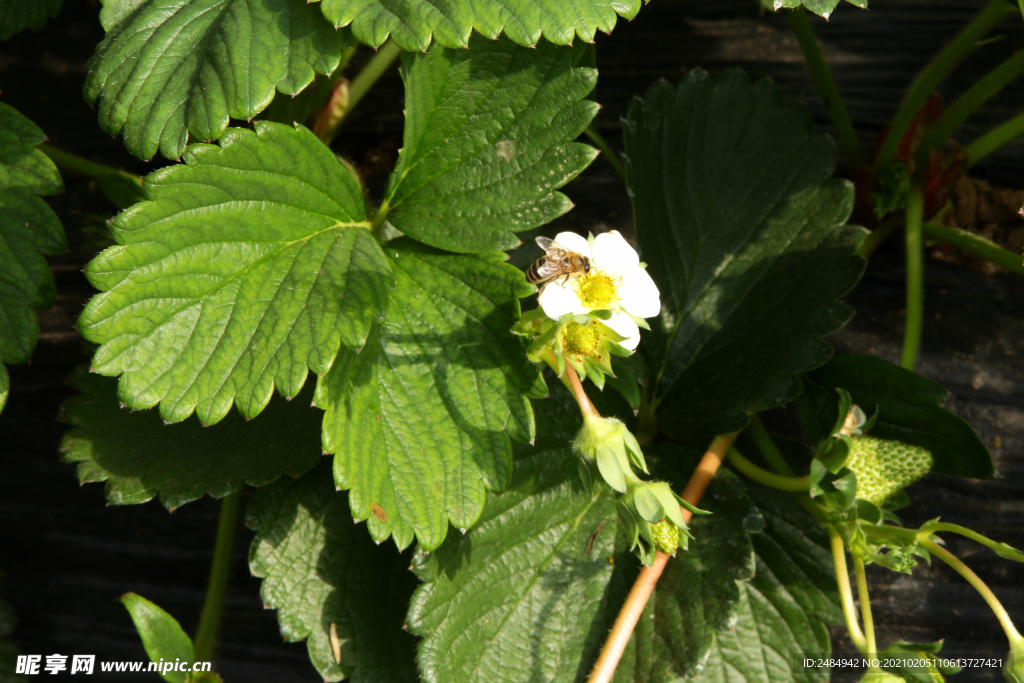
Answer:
(666, 536)
(884, 467)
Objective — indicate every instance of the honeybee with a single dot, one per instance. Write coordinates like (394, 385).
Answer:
(556, 262)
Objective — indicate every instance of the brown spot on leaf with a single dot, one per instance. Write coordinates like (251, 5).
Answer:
(378, 512)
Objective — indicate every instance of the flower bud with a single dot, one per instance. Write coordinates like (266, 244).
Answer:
(605, 444)
(666, 537)
(644, 508)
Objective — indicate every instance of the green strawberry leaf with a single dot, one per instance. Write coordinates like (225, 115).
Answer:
(170, 70)
(521, 596)
(488, 137)
(784, 609)
(16, 15)
(541, 576)
(699, 592)
(743, 233)
(823, 8)
(250, 266)
(412, 24)
(28, 229)
(419, 419)
(161, 634)
(139, 456)
(322, 572)
(909, 410)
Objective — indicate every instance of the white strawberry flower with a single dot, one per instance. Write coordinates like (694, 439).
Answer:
(616, 282)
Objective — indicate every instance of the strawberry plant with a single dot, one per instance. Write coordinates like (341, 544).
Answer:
(465, 458)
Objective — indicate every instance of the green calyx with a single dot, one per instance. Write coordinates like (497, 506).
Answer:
(884, 467)
(608, 451)
(583, 341)
(651, 515)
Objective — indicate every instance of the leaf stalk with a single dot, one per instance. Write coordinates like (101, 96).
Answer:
(607, 150)
(845, 590)
(209, 621)
(822, 76)
(999, 136)
(997, 608)
(644, 585)
(915, 276)
(968, 103)
(933, 73)
(763, 476)
(976, 244)
(763, 441)
(865, 607)
(362, 84)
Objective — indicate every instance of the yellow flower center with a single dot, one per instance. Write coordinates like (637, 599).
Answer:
(596, 290)
(579, 340)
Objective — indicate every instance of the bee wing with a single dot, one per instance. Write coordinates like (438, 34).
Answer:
(548, 269)
(546, 243)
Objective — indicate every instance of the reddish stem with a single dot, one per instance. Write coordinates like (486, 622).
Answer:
(644, 585)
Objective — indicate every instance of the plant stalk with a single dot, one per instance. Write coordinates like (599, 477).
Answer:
(968, 103)
(366, 79)
(915, 276)
(865, 607)
(845, 590)
(932, 74)
(607, 150)
(997, 608)
(763, 476)
(976, 244)
(878, 235)
(994, 139)
(644, 585)
(70, 162)
(822, 75)
(572, 381)
(764, 443)
(999, 548)
(209, 621)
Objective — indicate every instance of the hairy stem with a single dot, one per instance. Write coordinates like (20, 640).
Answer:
(994, 139)
(209, 621)
(976, 244)
(764, 443)
(644, 585)
(607, 150)
(915, 276)
(827, 89)
(572, 381)
(865, 607)
(1000, 548)
(993, 602)
(763, 476)
(968, 103)
(845, 590)
(878, 235)
(932, 74)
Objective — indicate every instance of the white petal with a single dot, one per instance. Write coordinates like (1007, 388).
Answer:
(613, 255)
(639, 295)
(557, 299)
(624, 325)
(573, 242)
